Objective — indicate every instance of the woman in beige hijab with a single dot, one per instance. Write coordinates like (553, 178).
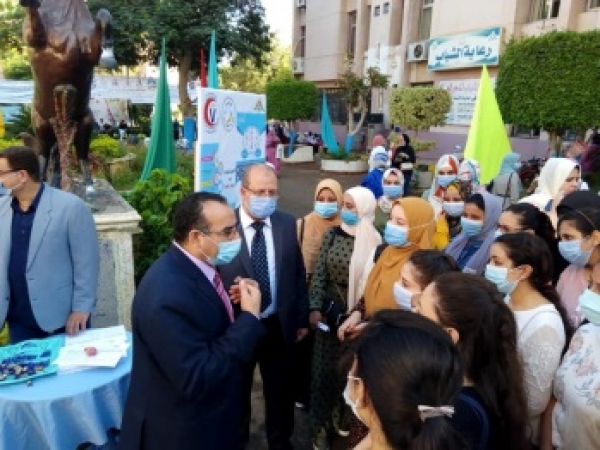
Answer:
(312, 227)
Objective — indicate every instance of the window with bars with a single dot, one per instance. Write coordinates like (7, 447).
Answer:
(543, 9)
(377, 11)
(352, 33)
(425, 20)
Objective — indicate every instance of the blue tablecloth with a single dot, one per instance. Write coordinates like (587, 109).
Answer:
(60, 412)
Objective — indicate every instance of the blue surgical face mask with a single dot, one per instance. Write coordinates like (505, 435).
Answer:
(261, 207)
(403, 297)
(497, 234)
(589, 304)
(392, 191)
(572, 252)
(4, 190)
(517, 165)
(471, 227)
(445, 180)
(227, 252)
(349, 218)
(453, 209)
(326, 210)
(497, 275)
(395, 235)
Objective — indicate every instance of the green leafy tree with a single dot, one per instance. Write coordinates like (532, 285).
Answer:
(356, 90)
(291, 99)
(419, 108)
(139, 26)
(245, 75)
(16, 66)
(11, 18)
(550, 81)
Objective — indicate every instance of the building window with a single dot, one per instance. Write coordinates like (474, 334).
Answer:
(377, 11)
(302, 41)
(593, 4)
(386, 7)
(352, 33)
(543, 9)
(425, 20)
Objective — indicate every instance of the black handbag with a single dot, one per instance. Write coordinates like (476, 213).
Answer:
(334, 312)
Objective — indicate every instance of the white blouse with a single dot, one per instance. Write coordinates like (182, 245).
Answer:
(576, 416)
(541, 341)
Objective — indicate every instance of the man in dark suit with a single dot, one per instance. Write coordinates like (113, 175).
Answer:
(188, 351)
(270, 255)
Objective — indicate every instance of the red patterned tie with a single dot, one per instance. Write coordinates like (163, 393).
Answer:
(224, 297)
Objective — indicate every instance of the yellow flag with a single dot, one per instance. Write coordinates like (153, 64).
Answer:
(487, 142)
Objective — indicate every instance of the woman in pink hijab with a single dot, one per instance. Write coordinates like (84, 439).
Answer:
(271, 148)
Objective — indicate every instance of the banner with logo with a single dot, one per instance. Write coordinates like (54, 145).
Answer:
(138, 90)
(231, 136)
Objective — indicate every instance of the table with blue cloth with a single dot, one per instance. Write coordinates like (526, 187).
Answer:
(62, 411)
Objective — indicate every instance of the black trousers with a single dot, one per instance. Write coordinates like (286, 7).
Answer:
(274, 358)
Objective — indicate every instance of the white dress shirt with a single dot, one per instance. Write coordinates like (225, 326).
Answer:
(246, 222)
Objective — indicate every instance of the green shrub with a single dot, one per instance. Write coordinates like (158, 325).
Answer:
(155, 200)
(106, 147)
(5, 143)
(20, 123)
(343, 155)
(421, 145)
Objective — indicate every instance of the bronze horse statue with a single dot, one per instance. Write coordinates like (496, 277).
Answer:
(65, 44)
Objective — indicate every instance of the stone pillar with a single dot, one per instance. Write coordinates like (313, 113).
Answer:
(116, 223)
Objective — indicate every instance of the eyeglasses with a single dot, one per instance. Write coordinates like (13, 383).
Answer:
(264, 193)
(229, 232)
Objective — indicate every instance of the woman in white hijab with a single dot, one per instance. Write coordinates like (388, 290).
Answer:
(446, 171)
(344, 253)
(559, 177)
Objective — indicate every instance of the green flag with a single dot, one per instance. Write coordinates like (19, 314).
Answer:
(487, 142)
(161, 151)
(213, 71)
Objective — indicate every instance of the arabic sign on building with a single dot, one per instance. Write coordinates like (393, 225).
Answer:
(464, 95)
(473, 49)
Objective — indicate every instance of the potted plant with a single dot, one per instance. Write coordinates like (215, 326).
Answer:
(344, 162)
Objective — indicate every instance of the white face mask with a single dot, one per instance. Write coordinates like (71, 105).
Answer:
(353, 406)
(403, 297)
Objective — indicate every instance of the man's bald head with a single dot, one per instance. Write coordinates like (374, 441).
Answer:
(257, 171)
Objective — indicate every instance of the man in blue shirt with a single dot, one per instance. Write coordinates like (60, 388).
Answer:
(48, 253)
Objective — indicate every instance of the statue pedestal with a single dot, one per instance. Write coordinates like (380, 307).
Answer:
(116, 222)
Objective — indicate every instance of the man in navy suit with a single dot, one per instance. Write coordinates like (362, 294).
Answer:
(188, 350)
(49, 259)
(270, 255)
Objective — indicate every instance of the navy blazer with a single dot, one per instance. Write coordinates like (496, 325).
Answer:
(292, 295)
(186, 381)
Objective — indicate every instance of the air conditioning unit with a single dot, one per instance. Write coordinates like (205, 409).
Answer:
(298, 65)
(418, 51)
(301, 3)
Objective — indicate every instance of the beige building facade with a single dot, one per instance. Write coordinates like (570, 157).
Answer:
(423, 42)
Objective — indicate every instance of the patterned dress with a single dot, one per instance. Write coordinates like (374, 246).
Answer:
(576, 416)
(330, 281)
